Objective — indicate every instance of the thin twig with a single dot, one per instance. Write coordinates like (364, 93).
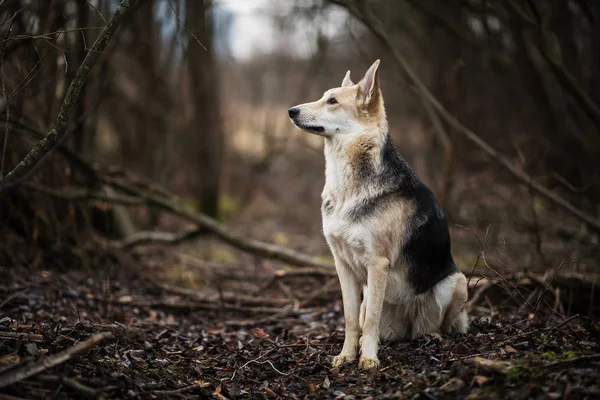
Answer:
(539, 299)
(73, 384)
(19, 373)
(35, 157)
(50, 34)
(185, 389)
(186, 28)
(97, 11)
(573, 361)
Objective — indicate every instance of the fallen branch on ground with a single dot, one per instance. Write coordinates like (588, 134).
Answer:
(179, 392)
(304, 272)
(187, 306)
(573, 361)
(215, 271)
(151, 237)
(19, 373)
(322, 292)
(228, 297)
(74, 385)
(32, 337)
(267, 250)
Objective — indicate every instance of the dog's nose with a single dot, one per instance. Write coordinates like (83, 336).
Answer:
(293, 112)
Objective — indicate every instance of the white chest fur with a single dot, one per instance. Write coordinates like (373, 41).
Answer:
(351, 243)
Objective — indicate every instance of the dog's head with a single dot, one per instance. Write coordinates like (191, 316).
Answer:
(347, 110)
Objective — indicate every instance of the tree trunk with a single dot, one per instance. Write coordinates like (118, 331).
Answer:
(208, 151)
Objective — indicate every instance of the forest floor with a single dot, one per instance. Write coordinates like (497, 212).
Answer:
(135, 333)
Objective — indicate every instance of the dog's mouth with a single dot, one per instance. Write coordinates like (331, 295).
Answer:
(316, 129)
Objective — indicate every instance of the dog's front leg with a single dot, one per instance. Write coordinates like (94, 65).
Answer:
(376, 282)
(351, 300)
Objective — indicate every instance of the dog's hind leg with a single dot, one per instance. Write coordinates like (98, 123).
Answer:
(351, 299)
(377, 275)
(456, 319)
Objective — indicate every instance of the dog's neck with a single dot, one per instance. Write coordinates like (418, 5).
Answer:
(351, 161)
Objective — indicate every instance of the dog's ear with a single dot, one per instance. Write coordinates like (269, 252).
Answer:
(347, 81)
(369, 85)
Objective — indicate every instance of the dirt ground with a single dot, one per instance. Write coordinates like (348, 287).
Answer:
(270, 336)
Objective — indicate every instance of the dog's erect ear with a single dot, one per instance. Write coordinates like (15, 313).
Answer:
(369, 85)
(347, 81)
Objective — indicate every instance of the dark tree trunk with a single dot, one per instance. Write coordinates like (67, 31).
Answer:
(208, 149)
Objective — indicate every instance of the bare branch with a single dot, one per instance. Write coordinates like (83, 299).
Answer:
(267, 250)
(86, 195)
(56, 134)
(553, 59)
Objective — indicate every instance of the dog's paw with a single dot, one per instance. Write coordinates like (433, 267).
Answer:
(433, 336)
(342, 359)
(368, 363)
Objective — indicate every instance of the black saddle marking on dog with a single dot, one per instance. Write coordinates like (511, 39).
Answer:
(427, 250)
(368, 206)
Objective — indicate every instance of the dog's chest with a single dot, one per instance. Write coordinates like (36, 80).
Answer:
(349, 241)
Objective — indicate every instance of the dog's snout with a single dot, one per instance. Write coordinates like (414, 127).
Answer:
(293, 112)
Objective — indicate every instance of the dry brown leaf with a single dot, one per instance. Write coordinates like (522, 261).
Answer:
(259, 333)
(500, 367)
(480, 380)
(510, 349)
(10, 359)
(217, 394)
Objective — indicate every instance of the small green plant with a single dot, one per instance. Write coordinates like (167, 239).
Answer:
(545, 339)
(515, 374)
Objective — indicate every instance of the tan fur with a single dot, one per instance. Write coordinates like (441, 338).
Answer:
(455, 319)
(367, 252)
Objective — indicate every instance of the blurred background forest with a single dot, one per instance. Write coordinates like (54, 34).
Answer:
(178, 176)
(192, 96)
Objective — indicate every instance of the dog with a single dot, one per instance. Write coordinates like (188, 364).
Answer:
(385, 229)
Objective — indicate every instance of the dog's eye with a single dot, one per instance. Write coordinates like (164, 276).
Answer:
(332, 101)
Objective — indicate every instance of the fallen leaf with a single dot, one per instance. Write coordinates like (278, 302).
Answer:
(259, 333)
(510, 349)
(500, 367)
(326, 383)
(480, 380)
(10, 359)
(217, 394)
(452, 385)
(312, 387)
